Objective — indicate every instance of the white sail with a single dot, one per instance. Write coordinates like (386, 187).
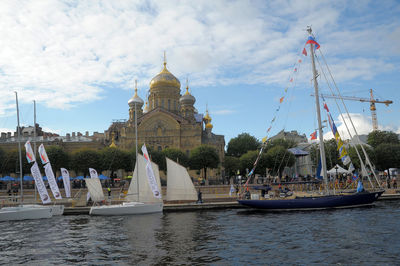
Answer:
(145, 192)
(95, 189)
(179, 183)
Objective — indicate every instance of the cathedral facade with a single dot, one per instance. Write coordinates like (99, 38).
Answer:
(168, 119)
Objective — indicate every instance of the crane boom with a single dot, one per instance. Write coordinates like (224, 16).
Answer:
(371, 100)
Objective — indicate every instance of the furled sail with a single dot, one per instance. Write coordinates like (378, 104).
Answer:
(95, 189)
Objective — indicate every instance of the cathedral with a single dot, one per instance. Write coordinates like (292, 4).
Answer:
(167, 119)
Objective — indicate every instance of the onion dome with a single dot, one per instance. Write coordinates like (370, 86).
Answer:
(209, 125)
(146, 108)
(136, 99)
(165, 78)
(187, 98)
(207, 117)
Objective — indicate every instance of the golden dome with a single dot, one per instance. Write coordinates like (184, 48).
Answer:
(207, 117)
(165, 78)
(209, 125)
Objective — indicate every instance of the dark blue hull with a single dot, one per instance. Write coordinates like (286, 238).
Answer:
(325, 202)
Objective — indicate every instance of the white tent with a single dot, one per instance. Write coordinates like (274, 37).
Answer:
(340, 170)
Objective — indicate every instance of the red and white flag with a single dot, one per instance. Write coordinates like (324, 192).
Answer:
(150, 174)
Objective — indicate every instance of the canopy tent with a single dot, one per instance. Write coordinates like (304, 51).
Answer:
(103, 177)
(340, 170)
(28, 178)
(45, 178)
(7, 178)
(80, 177)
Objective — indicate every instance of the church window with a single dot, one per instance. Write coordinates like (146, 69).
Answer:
(156, 102)
(159, 131)
(169, 104)
(162, 103)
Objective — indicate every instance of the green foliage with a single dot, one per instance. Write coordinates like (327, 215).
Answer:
(354, 157)
(10, 164)
(157, 157)
(278, 158)
(331, 154)
(58, 157)
(231, 164)
(204, 157)
(285, 143)
(241, 144)
(377, 137)
(84, 159)
(387, 156)
(247, 162)
(177, 156)
(114, 159)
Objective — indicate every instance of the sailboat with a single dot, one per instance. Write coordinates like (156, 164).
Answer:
(179, 184)
(140, 198)
(316, 202)
(23, 212)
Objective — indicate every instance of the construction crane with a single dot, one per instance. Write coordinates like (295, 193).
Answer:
(371, 100)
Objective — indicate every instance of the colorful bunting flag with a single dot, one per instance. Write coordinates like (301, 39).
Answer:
(291, 80)
(304, 52)
(313, 135)
(281, 99)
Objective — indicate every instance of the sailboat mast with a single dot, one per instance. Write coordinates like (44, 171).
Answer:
(316, 93)
(136, 143)
(34, 137)
(19, 149)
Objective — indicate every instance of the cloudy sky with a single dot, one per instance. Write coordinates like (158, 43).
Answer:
(79, 60)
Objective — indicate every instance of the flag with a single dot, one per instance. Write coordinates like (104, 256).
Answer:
(286, 89)
(264, 139)
(314, 135)
(150, 174)
(30, 156)
(273, 120)
(295, 69)
(311, 40)
(269, 129)
(43, 154)
(67, 184)
(355, 176)
(326, 107)
(351, 167)
(291, 80)
(300, 61)
(281, 99)
(304, 51)
(93, 173)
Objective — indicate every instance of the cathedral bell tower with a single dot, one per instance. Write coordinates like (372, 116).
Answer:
(135, 100)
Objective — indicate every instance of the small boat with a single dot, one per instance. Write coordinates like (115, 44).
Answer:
(23, 212)
(339, 200)
(140, 199)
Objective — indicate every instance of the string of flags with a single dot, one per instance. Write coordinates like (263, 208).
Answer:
(340, 145)
(296, 68)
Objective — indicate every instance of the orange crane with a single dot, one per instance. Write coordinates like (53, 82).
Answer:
(371, 100)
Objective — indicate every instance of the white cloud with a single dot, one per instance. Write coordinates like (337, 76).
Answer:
(67, 53)
(224, 112)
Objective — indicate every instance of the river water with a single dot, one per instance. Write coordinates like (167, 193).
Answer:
(368, 236)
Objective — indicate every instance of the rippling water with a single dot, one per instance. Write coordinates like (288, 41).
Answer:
(368, 236)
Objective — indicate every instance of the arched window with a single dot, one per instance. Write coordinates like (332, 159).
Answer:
(169, 104)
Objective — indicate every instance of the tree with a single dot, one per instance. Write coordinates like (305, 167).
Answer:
(279, 157)
(354, 157)
(177, 156)
(241, 144)
(204, 157)
(58, 157)
(231, 164)
(84, 159)
(11, 162)
(157, 157)
(387, 156)
(247, 162)
(377, 137)
(114, 159)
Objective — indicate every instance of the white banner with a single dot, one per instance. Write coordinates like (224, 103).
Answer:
(44, 196)
(93, 173)
(43, 154)
(52, 181)
(30, 156)
(67, 183)
(150, 174)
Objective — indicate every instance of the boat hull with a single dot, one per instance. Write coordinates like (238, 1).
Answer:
(24, 213)
(128, 208)
(315, 203)
(56, 210)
